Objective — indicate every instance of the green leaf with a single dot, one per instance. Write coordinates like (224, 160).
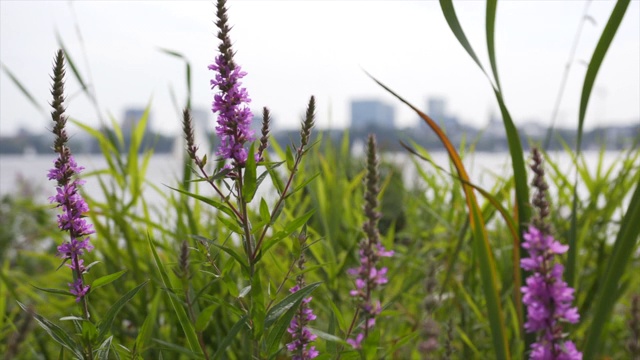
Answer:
(623, 250)
(287, 303)
(257, 306)
(275, 178)
(301, 186)
(54, 291)
(133, 168)
(89, 332)
(449, 13)
(216, 204)
(327, 336)
(183, 319)
(232, 225)
(482, 246)
(589, 80)
(71, 63)
(289, 159)
(298, 222)
(244, 292)
(224, 344)
(105, 324)
(492, 5)
(250, 185)
(262, 177)
(57, 333)
(144, 335)
(606, 38)
(231, 285)
(103, 351)
(288, 230)
(205, 317)
(233, 254)
(279, 328)
(264, 211)
(177, 348)
(23, 89)
(107, 279)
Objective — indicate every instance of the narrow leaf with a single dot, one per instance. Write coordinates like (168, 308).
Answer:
(183, 319)
(107, 279)
(250, 185)
(289, 301)
(57, 333)
(105, 324)
(235, 329)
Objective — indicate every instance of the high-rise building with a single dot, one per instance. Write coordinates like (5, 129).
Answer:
(131, 118)
(371, 114)
(437, 110)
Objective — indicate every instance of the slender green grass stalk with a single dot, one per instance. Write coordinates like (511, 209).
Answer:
(515, 148)
(590, 77)
(481, 242)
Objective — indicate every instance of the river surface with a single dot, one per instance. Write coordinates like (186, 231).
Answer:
(164, 169)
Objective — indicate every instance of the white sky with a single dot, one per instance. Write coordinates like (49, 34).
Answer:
(293, 49)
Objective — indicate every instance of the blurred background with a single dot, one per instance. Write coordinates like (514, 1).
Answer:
(294, 49)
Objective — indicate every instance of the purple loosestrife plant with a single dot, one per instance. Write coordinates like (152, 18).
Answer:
(68, 198)
(230, 103)
(300, 347)
(369, 276)
(547, 297)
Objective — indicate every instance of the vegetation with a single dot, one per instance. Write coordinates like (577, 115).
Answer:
(206, 273)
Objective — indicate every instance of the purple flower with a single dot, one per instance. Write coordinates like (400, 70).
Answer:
(300, 333)
(67, 197)
(547, 298)
(72, 219)
(234, 116)
(368, 276)
(230, 103)
(357, 342)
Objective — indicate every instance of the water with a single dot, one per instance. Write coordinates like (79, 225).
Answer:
(165, 169)
(31, 170)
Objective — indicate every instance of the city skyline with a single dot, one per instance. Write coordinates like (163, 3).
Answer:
(296, 55)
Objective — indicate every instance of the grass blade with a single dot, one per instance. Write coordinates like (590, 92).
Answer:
(24, 90)
(596, 60)
(186, 325)
(623, 249)
(107, 321)
(230, 336)
(492, 6)
(107, 279)
(513, 138)
(488, 270)
(57, 333)
(592, 71)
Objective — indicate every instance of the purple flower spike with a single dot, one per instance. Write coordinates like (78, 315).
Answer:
(230, 103)
(547, 298)
(300, 333)
(368, 276)
(72, 220)
(68, 198)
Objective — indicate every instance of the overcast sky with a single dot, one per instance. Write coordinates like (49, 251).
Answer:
(293, 49)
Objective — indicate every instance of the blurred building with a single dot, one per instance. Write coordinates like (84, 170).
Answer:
(437, 110)
(371, 115)
(131, 119)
